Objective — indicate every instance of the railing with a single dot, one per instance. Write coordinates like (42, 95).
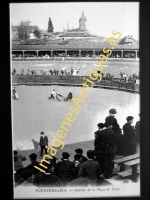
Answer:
(116, 84)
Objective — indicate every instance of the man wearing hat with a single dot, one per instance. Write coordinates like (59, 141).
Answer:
(105, 149)
(33, 158)
(90, 169)
(64, 169)
(100, 127)
(78, 158)
(116, 128)
(129, 137)
(80, 151)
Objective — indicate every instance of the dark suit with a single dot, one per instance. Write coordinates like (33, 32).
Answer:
(129, 139)
(137, 129)
(91, 170)
(43, 143)
(30, 167)
(105, 148)
(64, 170)
(116, 128)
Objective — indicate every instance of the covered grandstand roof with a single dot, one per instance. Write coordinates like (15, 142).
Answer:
(78, 34)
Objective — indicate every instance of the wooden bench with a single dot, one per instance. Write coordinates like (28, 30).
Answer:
(130, 161)
(122, 160)
(133, 164)
(126, 158)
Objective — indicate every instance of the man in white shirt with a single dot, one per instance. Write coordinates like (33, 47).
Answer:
(54, 96)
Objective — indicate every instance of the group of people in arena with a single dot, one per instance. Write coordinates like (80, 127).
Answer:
(54, 96)
(110, 140)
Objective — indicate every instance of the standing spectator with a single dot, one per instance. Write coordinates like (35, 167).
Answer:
(15, 94)
(90, 169)
(124, 76)
(137, 130)
(72, 70)
(116, 128)
(57, 72)
(100, 127)
(64, 169)
(129, 137)
(14, 71)
(22, 72)
(43, 142)
(46, 70)
(105, 149)
(62, 72)
(28, 73)
(41, 72)
(121, 75)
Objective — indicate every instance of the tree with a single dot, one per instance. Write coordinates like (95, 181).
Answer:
(24, 30)
(37, 33)
(50, 26)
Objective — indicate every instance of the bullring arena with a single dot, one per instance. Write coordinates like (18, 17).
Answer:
(33, 112)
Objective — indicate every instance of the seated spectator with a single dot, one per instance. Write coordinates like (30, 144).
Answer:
(47, 179)
(90, 169)
(27, 177)
(80, 151)
(18, 161)
(33, 158)
(77, 164)
(64, 169)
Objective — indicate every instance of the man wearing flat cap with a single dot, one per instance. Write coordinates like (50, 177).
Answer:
(80, 151)
(100, 127)
(116, 128)
(64, 169)
(105, 149)
(78, 159)
(129, 137)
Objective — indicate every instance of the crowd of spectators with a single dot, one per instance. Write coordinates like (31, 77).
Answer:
(106, 76)
(46, 72)
(110, 140)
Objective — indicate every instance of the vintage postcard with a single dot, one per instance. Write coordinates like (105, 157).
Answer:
(75, 99)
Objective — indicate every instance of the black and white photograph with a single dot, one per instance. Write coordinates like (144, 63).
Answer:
(75, 99)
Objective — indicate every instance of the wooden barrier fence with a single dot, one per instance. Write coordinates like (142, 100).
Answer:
(74, 81)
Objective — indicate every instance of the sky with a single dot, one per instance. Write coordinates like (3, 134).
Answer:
(102, 18)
